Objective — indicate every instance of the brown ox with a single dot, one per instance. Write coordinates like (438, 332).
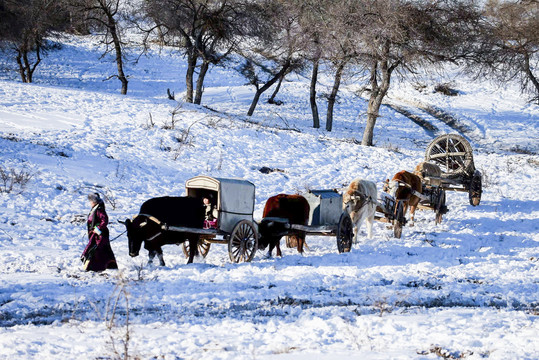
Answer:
(294, 209)
(402, 188)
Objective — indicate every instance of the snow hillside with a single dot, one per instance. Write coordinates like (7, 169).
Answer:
(467, 288)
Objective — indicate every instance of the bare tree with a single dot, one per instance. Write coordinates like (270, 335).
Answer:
(105, 15)
(330, 29)
(393, 35)
(508, 48)
(25, 25)
(275, 47)
(206, 31)
(311, 18)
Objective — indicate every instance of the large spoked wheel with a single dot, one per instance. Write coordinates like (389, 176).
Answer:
(453, 154)
(243, 242)
(203, 248)
(399, 220)
(476, 188)
(440, 208)
(345, 233)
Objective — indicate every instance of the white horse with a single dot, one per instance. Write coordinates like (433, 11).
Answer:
(360, 202)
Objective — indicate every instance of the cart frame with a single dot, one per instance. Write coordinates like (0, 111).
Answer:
(234, 200)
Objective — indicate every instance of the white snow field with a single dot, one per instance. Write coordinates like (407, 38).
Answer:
(468, 288)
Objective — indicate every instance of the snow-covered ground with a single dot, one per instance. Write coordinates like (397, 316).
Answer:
(467, 288)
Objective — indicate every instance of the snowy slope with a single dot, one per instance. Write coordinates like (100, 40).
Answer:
(468, 287)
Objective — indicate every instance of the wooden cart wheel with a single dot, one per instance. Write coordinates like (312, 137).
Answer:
(440, 208)
(243, 242)
(453, 154)
(345, 233)
(203, 248)
(399, 220)
(475, 190)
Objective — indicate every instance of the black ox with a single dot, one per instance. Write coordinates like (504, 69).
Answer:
(150, 226)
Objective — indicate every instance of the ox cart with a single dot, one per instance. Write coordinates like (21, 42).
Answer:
(233, 201)
(326, 218)
(390, 210)
(454, 156)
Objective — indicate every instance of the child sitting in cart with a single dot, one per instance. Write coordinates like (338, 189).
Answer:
(210, 216)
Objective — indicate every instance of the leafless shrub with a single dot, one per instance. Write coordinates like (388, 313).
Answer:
(382, 306)
(150, 124)
(446, 89)
(118, 173)
(421, 87)
(393, 148)
(78, 219)
(5, 232)
(511, 166)
(115, 328)
(220, 162)
(486, 180)
(446, 354)
(173, 120)
(13, 180)
(534, 162)
(116, 316)
(184, 138)
(213, 121)
(164, 147)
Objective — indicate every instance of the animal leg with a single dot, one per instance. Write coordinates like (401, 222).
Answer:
(278, 246)
(159, 253)
(151, 256)
(161, 260)
(355, 230)
(193, 249)
(301, 241)
(370, 221)
(405, 206)
(270, 248)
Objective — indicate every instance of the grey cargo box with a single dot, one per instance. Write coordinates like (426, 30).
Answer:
(325, 207)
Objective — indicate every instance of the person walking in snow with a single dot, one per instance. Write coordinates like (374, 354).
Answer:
(98, 255)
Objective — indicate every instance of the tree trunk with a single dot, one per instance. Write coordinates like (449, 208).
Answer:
(191, 64)
(27, 69)
(29, 75)
(22, 71)
(266, 86)
(31, 69)
(200, 81)
(314, 107)
(271, 100)
(378, 93)
(333, 95)
(118, 51)
(530, 75)
(161, 36)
